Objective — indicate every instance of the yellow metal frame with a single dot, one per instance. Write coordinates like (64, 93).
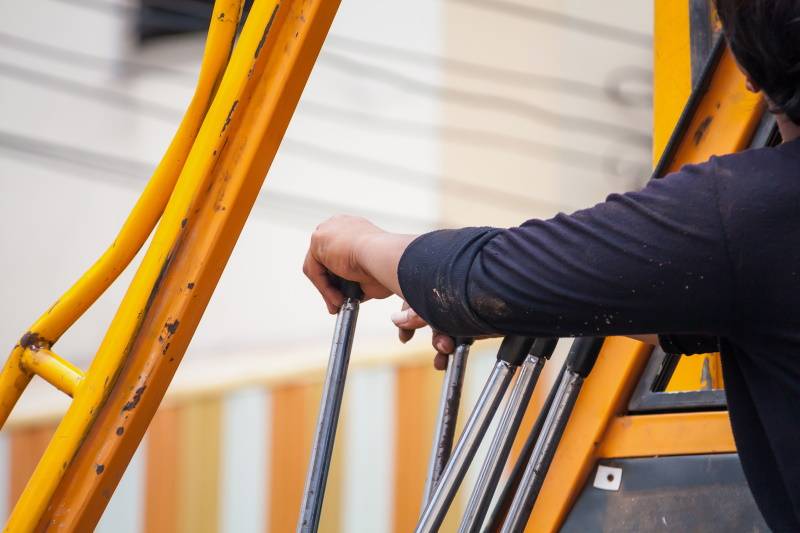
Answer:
(202, 191)
(723, 122)
(667, 434)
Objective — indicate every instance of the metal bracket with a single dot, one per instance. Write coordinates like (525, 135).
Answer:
(608, 478)
(647, 399)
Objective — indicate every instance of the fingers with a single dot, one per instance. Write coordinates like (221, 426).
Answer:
(443, 343)
(440, 361)
(407, 321)
(405, 335)
(332, 251)
(407, 318)
(318, 275)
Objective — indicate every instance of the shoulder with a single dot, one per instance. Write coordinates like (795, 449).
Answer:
(742, 183)
(749, 175)
(758, 189)
(747, 164)
(758, 161)
(759, 175)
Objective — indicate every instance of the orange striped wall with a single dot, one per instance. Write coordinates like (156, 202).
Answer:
(181, 470)
(417, 391)
(198, 463)
(162, 471)
(293, 418)
(27, 445)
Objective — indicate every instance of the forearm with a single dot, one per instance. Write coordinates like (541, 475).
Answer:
(637, 263)
(379, 254)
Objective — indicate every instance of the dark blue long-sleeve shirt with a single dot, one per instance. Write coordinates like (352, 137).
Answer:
(709, 257)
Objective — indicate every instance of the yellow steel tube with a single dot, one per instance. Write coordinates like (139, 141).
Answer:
(143, 217)
(122, 332)
(148, 208)
(286, 51)
(13, 380)
(57, 371)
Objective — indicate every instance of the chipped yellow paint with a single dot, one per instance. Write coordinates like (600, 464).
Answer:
(52, 324)
(203, 195)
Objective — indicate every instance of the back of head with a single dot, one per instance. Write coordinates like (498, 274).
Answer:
(764, 36)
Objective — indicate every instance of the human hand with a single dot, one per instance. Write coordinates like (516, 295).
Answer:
(408, 321)
(335, 249)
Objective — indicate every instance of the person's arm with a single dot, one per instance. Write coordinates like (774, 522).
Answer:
(649, 261)
(408, 321)
(380, 253)
(654, 261)
(688, 344)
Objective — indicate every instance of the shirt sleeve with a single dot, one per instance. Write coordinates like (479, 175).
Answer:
(688, 344)
(651, 261)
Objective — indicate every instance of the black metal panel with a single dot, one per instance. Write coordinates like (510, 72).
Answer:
(766, 133)
(647, 398)
(685, 120)
(701, 36)
(688, 493)
(159, 18)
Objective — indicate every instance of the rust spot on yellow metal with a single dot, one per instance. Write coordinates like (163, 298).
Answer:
(78, 499)
(34, 341)
(131, 405)
(701, 129)
(266, 32)
(172, 327)
(230, 115)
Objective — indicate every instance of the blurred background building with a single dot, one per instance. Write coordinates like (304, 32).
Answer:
(418, 115)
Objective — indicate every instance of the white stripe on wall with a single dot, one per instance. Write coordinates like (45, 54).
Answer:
(369, 451)
(245, 438)
(125, 511)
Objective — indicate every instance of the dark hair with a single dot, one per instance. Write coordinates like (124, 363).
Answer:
(764, 35)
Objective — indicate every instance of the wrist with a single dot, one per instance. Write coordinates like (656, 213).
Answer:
(379, 253)
(364, 247)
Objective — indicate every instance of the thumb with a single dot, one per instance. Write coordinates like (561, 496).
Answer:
(408, 319)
